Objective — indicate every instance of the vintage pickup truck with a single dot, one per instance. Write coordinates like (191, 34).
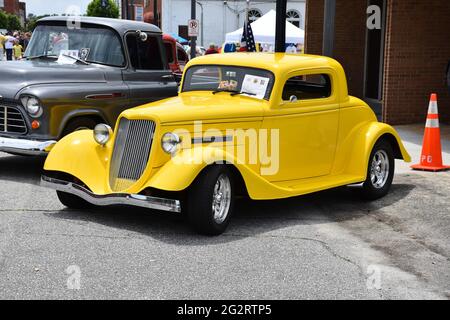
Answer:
(269, 126)
(77, 76)
(176, 56)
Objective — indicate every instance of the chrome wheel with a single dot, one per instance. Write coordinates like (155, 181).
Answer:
(379, 169)
(221, 199)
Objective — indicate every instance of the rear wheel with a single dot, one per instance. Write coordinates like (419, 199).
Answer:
(72, 202)
(380, 172)
(210, 201)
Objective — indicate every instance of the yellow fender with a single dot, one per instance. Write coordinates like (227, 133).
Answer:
(179, 173)
(80, 156)
(364, 139)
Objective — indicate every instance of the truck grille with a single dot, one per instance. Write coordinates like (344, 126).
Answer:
(131, 152)
(11, 120)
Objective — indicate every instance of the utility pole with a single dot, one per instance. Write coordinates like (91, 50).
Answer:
(193, 39)
(155, 13)
(328, 27)
(280, 30)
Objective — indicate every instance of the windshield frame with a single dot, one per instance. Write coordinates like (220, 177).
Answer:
(86, 25)
(267, 96)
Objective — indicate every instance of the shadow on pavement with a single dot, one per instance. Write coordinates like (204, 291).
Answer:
(251, 218)
(25, 169)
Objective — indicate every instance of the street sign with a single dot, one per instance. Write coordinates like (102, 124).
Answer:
(193, 28)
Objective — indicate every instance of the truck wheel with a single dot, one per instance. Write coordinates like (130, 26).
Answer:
(380, 171)
(211, 200)
(79, 124)
(72, 202)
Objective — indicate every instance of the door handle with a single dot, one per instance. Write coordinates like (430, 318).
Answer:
(167, 77)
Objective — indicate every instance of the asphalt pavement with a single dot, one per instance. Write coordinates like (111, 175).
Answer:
(329, 245)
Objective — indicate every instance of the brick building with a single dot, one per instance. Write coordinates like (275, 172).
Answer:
(128, 10)
(15, 7)
(394, 68)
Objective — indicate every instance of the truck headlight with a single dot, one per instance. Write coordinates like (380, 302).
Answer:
(33, 106)
(102, 133)
(170, 142)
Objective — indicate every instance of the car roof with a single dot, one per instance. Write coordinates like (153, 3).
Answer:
(275, 62)
(120, 25)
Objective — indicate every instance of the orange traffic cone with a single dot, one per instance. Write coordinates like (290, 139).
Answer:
(431, 158)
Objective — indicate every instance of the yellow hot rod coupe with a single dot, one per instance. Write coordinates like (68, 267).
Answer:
(268, 126)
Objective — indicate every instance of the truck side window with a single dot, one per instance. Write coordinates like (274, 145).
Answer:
(145, 55)
(182, 56)
(169, 52)
(315, 86)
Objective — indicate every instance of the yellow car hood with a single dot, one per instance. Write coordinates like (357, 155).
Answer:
(204, 106)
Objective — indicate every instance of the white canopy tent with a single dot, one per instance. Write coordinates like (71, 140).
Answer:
(264, 31)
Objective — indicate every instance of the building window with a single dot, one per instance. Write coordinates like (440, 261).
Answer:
(294, 17)
(254, 14)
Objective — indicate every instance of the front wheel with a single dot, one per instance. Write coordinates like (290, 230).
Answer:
(72, 202)
(380, 172)
(211, 200)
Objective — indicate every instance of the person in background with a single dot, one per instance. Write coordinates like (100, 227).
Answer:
(2, 48)
(9, 45)
(26, 40)
(212, 49)
(18, 50)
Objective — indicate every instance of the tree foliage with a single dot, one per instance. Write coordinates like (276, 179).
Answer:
(9, 21)
(32, 20)
(95, 9)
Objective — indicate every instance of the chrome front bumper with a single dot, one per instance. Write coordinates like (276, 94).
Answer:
(25, 147)
(112, 199)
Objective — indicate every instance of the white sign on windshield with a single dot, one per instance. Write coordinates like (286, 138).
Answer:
(255, 86)
(63, 59)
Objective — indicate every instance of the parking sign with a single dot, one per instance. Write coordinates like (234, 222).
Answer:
(193, 26)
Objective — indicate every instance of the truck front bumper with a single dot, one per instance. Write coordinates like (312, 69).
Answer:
(112, 199)
(25, 147)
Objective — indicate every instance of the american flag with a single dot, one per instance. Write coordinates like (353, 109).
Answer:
(248, 41)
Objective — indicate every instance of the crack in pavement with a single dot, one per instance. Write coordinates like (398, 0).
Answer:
(324, 244)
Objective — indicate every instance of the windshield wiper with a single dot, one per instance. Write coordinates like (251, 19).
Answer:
(75, 58)
(42, 56)
(223, 90)
(233, 92)
(242, 92)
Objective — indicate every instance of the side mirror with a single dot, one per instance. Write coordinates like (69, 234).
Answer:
(293, 99)
(142, 35)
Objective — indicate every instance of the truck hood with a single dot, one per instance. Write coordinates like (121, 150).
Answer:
(207, 107)
(16, 75)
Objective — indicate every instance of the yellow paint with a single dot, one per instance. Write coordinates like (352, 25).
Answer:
(324, 143)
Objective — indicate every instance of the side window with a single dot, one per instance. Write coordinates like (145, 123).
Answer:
(169, 52)
(315, 86)
(145, 55)
(182, 56)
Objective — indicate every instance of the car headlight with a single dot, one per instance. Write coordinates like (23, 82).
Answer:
(32, 105)
(170, 142)
(102, 133)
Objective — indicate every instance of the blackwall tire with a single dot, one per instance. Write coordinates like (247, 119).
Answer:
(210, 201)
(72, 202)
(380, 171)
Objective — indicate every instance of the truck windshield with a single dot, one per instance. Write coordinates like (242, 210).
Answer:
(91, 44)
(252, 82)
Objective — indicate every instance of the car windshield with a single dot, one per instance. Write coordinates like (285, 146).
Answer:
(91, 44)
(253, 82)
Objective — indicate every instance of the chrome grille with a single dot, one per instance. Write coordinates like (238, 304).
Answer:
(131, 152)
(11, 120)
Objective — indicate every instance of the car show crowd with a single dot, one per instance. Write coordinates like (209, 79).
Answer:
(13, 45)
